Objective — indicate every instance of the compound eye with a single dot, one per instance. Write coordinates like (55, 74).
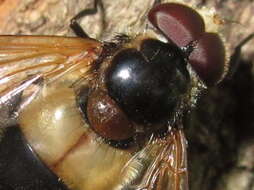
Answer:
(208, 58)
(183, 25)
(177, 22)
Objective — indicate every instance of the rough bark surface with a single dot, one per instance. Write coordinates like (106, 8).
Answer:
(221, 130)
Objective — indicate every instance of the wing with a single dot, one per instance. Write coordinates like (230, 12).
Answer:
(169, 170)
(161, 165)
(28, 60)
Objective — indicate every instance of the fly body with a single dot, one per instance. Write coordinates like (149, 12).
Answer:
(109, 115)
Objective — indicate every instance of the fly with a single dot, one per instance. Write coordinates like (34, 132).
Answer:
(108, 115)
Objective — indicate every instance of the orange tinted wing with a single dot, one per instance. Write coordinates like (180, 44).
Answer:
(28, 60)
(174, 172)
(168, 170)
(160, 165)
(45, 56)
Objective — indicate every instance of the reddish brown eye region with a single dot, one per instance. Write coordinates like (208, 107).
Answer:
(183, 25)
(107, 118)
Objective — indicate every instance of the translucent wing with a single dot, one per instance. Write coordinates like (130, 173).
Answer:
(162, 164)
(21, 56)
(27, 59)
(169, 170)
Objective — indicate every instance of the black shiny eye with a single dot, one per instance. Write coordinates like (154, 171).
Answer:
(147, 84)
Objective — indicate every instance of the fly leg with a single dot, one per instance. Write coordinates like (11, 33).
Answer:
(235, 58)
(156, 2)
(75, 26)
